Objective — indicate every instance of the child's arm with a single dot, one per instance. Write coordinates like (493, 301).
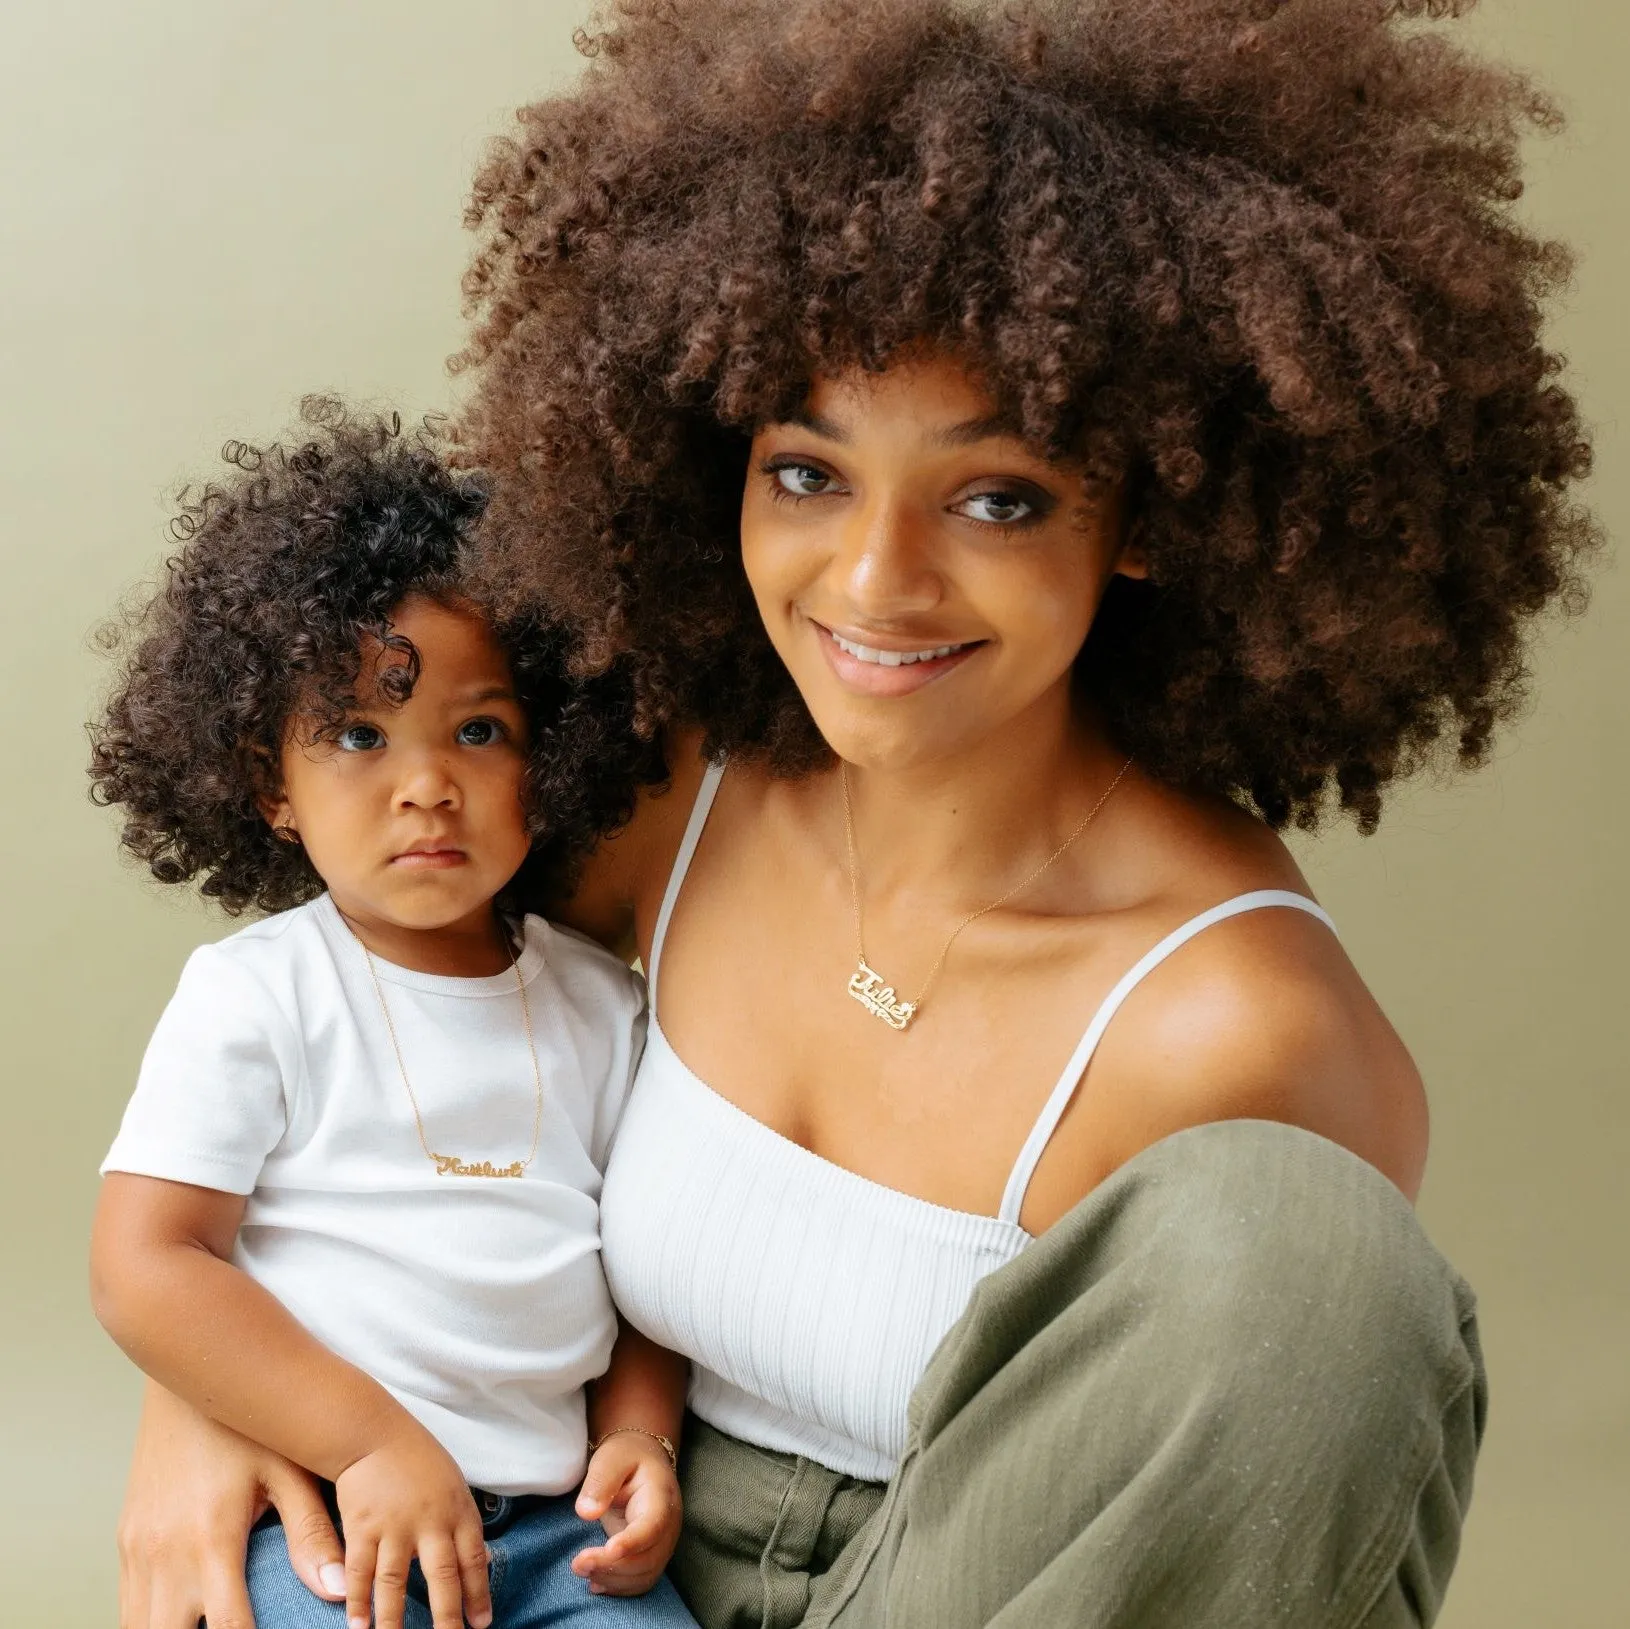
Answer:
(631, 1485)
(163, 1288)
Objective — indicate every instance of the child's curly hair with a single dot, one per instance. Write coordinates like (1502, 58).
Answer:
(1257, 257)
(288, 567)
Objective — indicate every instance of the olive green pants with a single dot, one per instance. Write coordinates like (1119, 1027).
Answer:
(1235, 1388)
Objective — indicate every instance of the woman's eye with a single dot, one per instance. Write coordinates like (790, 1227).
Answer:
(360, 738)
(998, 508)
(479, 732)
(802, 480)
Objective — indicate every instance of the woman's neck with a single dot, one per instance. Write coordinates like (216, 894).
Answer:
(971, 825)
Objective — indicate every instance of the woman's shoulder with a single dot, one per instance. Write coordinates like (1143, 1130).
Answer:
(1262, 1015)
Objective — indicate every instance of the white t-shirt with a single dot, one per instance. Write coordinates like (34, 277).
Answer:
(478, 1303)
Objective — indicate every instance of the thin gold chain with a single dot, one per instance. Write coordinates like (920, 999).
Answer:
(445, 1163)
(973, 916)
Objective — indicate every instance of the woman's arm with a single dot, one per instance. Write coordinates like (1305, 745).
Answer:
(195, 1490)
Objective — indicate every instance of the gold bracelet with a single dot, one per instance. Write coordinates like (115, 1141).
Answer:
(655, 1436)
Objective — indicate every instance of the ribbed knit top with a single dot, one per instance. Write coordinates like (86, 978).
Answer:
(808, 1299)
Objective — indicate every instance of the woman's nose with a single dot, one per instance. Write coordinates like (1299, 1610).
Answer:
(887, 562)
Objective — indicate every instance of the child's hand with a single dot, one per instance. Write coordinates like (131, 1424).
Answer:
(406, 1499)
(631, 1489)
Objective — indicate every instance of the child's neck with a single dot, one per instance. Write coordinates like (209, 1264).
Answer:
(475, 947)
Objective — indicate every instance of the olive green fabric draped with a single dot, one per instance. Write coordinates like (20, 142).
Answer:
(1236, 1386)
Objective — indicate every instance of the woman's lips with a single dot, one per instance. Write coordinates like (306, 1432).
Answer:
(876, 671)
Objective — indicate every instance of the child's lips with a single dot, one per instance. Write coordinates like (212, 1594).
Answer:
(430, 857)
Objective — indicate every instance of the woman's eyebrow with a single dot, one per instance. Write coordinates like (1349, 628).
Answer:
(969, 431)
(829, 429)
(965, 434)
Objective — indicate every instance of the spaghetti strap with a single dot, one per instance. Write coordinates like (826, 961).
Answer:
(1024, 1168)
(705, 793)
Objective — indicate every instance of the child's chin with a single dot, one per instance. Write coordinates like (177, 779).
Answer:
(430, 904)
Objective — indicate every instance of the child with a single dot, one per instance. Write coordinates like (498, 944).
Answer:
(352, 1209)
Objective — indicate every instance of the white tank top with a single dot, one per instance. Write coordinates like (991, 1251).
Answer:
(807, 1298)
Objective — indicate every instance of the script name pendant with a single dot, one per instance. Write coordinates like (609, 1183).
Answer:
(452, 1165)
(879, 999)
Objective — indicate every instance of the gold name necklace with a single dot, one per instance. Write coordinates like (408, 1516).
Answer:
(868, 986)
(451, 1164)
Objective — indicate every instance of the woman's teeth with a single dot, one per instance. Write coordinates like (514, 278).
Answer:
(893, 658)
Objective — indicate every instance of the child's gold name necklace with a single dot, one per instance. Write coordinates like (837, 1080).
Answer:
(451, 1164)
(868, 986)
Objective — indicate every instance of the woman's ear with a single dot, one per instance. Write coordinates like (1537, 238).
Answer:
(1132, 561)
(1117, 513)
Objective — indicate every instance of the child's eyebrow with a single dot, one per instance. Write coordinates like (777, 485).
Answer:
(491, 692)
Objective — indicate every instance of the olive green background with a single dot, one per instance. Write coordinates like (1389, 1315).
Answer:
(209, 207)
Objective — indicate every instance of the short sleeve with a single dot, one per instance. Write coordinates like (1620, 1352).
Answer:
(608, 997)
(632, 1024)
(212, 1099)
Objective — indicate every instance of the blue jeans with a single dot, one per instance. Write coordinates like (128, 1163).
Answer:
(531, 1542)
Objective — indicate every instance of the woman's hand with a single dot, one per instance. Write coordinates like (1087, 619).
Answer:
(194, 1492)
(406, 1499)
(631, 1488)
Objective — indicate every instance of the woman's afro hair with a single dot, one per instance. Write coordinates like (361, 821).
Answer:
(1256, 257)
(289, 567)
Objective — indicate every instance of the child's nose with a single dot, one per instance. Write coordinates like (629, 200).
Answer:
(427, 784)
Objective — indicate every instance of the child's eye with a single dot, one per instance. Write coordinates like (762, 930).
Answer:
(360, 738)
(479, 732)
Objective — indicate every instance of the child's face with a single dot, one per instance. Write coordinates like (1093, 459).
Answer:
(412, 814)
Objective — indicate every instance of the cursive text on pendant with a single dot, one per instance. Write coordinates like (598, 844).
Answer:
(879, 999)
(452, 1165)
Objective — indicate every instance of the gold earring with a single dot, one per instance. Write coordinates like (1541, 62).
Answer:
(286, 834)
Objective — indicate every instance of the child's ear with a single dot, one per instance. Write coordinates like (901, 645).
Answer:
(274, 807)
(279, 815)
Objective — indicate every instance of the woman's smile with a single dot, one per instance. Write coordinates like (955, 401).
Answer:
(874, 664)
(896, 530)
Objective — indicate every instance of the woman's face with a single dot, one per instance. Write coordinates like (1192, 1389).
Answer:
(927, 577)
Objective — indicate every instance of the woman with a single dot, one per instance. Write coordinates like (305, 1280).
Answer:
(1138, 434)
